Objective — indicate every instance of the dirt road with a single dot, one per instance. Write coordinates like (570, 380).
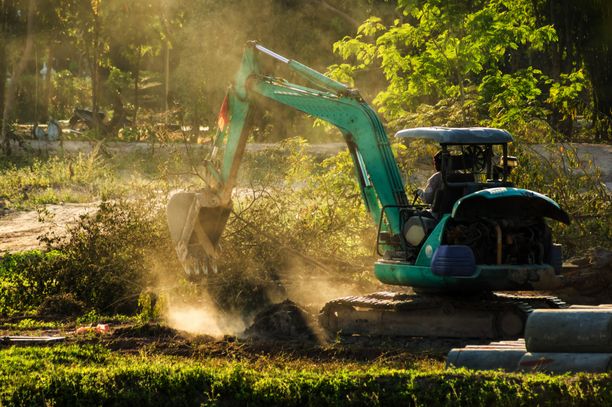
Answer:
(600, 154)
(20, 230)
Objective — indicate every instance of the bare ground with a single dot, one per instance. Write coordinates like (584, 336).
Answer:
(154, 338)
(20, 230)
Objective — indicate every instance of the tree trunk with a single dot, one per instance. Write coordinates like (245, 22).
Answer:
(95, 74)
(167, 81)
(2, 88)
(9, 94)
(598, 63)
(136, 82)
(47, 85)
(597, 54)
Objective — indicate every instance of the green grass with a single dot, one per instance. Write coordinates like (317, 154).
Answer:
(31, 324)
(86, 375)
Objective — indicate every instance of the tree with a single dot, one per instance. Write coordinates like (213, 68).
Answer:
(457, 56)
(12, 19)
(140, 37)
(82, 26)
(208, 47)
(585, 39)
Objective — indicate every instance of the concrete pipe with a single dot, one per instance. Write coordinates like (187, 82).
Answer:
(569, 330)
(566, 362)
(485, 359)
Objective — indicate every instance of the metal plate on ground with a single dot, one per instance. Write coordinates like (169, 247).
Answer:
(30, 340)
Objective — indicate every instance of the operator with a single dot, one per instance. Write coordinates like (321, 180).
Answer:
(434, 183)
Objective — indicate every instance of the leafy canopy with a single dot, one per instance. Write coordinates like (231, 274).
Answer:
(475, 60)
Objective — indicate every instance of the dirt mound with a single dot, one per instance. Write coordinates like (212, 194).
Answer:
(283, 321)
(588, 278)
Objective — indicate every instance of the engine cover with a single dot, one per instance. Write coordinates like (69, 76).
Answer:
(507, 203)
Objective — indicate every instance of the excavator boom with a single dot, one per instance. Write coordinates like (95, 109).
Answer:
(197, 219)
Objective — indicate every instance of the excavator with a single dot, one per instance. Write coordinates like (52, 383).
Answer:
(460, 260)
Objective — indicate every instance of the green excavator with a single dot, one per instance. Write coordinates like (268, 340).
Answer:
(480, 236)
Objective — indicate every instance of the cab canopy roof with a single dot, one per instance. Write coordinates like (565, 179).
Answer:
(458, 135)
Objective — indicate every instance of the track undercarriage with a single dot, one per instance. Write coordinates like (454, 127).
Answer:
(487, 316)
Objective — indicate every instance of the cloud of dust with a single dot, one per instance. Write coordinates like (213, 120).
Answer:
(202, 317)
(186, 306)
(211, 45)
(312, 288)
(193, 319)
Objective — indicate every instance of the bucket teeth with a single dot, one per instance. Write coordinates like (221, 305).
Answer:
(196, 221)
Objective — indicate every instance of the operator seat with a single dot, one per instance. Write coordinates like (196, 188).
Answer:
(445, 197)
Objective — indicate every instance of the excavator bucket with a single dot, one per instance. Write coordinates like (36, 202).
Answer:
(196, 221)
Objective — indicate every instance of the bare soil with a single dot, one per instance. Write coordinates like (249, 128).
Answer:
(20, 230)
(154, 338)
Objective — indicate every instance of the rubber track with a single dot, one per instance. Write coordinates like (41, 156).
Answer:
(404, 302)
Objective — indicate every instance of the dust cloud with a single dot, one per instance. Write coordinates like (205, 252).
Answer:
(312, 287)
(203, 318)
(187, 306)
(194, 320)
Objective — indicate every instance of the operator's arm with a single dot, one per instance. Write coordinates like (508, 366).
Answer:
(433, 184)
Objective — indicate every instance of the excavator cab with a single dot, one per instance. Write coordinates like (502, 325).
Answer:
(470, 160)
(480, 232)
(472, 166)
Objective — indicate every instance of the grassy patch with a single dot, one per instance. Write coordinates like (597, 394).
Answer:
(57, 179)
(29, 180)
(77, 375)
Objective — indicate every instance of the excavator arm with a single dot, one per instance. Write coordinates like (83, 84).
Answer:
(197, 219)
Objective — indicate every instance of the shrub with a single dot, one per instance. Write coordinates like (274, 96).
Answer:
(303, 221)
(102, 263)
(60, 306)
(91, 375)
(104, 256)
(58, 179)
(24, 281)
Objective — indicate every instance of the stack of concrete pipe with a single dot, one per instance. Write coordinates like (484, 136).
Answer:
(578, 339)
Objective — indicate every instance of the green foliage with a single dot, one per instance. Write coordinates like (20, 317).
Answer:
(24, 281)
(305, 214)
(512, 100)
(149, 306)
(71, 375)
(58, 179)
(104, 255)
(435, 55)
(327, 205)
(447, 63)
(106, 172)
(71, 91)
